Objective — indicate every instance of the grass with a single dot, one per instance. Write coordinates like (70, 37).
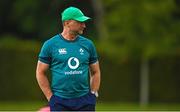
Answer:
(137, 107)
(34, 106)
(20, 106)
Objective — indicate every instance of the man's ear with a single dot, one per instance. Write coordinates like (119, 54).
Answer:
(66, 22)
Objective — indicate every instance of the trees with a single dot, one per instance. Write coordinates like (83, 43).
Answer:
(36, 19)
(141, 29)
(129, 30)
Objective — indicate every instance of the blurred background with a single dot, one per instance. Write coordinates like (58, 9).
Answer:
(138, 42)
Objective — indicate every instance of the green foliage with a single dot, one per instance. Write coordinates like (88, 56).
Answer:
(35, 19)
(137, 29)
(17, 69)
(164, 79)
(11, 42)
(145, 28)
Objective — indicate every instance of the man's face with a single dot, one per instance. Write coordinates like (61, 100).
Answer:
(76, 27)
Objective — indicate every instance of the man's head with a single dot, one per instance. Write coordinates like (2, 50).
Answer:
(73, 20)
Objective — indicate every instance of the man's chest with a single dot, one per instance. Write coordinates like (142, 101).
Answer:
(70, 53)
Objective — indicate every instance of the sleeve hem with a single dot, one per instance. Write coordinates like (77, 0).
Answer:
(43, 61)
(93, 62)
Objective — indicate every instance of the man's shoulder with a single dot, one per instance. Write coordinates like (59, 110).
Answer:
(85, 40)
(51, 40)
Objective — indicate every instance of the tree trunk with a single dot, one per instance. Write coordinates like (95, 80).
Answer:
(144, 85)
(99, 19)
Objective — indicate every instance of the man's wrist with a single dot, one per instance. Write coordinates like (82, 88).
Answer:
(95, 93)
(49, 97)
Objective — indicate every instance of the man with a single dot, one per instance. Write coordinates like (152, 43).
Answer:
(74, 66)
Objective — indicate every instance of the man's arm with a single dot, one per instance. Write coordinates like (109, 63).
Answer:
(95, 76)
(43, 80)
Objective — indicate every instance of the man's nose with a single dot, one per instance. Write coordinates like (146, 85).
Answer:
(83, 25)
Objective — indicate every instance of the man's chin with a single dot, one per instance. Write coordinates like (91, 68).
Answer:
(80, 32)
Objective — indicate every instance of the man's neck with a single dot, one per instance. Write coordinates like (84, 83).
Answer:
(68, 36)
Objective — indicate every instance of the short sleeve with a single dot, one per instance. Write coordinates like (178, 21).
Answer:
(93, 54)
(45, 54)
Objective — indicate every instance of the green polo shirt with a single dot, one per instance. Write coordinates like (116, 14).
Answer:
(69, 64)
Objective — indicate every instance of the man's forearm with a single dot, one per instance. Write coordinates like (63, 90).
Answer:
(44, 85)
(95, 82)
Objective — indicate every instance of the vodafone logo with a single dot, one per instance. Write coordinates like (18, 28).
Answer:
(71, 62)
